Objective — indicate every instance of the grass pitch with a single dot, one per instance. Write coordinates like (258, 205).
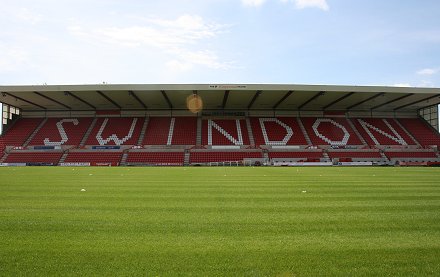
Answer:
(220, 221)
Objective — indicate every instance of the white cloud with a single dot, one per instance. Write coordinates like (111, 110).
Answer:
(421, 84)
(253, 3)
(175, 65)
(428, 71)
(299, 4)
(21, 15)
(205, 58)
(405, 85)
(184, 22)
(302, 4)
(12, 59)
(139, 35)
(184, 39)
(426, 84)
(26, 15)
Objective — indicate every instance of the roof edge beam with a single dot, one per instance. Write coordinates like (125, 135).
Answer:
(418, 101)
(311, 99)
(167, 99)
(133, 94)
(80, 99)
(109, 99)
(366, 100)
(256, 95)
(436, 104)
(53, 100)
(338, 100)
(282, 99)
(429, 106)
(225, 99)
(392, 101)
(24, 100)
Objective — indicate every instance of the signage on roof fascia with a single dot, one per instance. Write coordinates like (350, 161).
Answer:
(227, 87)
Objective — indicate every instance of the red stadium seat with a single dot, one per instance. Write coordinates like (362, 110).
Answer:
(277, 131)
(330, 131)
(165, 136)
(116, 131)
(20, 131)
(224, 132)
(378, 131)
(94, 157)
(414, 154)
(183, 131)
(222, 156)
(34, 157)
(295, 155)
(62, 131)
(354, 154)
(156, 158)
(423, 133)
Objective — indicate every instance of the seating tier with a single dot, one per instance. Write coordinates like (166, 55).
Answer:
(277, 131)
(62, 131)
(94, 157)
(2, 147)
(280, 131)
(418, 154)
(225, 132)
(20, 131)
(116, 131)
(216, 156)
(296, 155)
(34, 157)
(423, 133)
(378, 131)
(160, 158)
(354, 154)
(184, 131)
(330, 131)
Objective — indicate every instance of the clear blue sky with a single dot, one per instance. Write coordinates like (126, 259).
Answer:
(352, 42)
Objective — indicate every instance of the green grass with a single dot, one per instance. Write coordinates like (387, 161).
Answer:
(220, 221)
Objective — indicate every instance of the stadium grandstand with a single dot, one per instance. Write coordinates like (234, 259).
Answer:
(111, 125)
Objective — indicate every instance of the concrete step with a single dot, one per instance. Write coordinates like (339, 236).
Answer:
(124, 158)
(87, 134)
(303, 129)
(143, 131)
(4, 157)
(250, 132)
(356, 131)
(407, 132)
(64, 156)
(29, 139)
(199, 131)
(186, 157)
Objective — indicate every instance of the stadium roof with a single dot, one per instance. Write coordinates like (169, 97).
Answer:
(219, 97)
